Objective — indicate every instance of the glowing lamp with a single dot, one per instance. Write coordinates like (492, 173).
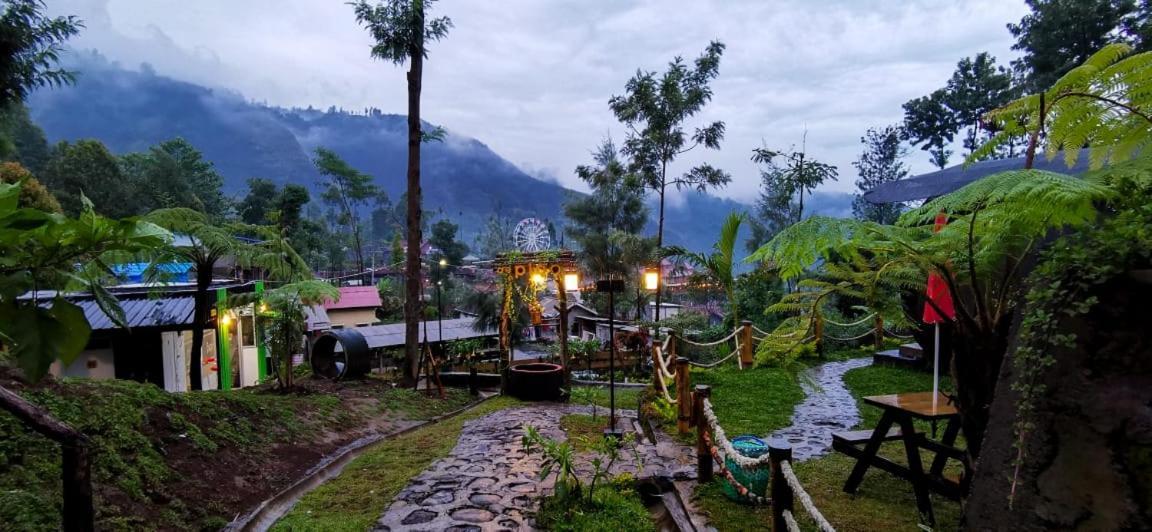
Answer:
(226, 320)
(651, 279)
(537, 278)
(443, 262)
(571, 281)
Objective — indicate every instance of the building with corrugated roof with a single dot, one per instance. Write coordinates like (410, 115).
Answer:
(157, 343)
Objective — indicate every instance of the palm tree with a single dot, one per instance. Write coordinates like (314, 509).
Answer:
(209, 241)
(717, 265)
(400, 31)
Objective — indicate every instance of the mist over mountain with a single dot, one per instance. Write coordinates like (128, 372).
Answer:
(463, 180)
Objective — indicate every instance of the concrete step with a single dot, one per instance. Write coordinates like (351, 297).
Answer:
(912, 350)
(893, 357)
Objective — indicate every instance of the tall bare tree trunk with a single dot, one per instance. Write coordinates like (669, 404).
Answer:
(199, 320)
(1034, 138)
(412, 268)
(659, 248)
(359, 249)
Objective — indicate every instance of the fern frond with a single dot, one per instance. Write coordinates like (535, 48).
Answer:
(1046, 199)
(1105, 101)
(803, 244)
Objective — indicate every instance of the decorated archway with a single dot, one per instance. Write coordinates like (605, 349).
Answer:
(535, 268)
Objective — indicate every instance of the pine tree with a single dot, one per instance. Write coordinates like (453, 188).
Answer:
(616, 205)
(880, 162)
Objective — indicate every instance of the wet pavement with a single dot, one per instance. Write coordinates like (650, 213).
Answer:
(828, 408)
(488, 482)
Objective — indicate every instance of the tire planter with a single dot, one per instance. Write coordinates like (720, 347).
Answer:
(352, 361)
(537, 381)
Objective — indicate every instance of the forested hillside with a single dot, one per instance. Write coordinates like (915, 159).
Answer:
(464, 180)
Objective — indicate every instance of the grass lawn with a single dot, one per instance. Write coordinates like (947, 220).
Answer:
(160, 459)
(883, 502)
(355, 499)
(582, 430)
(626, 398)
(753, 401)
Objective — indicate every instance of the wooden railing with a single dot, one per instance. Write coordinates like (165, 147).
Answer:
(75, 463)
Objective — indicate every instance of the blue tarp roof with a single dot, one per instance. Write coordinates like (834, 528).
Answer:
(133, 272)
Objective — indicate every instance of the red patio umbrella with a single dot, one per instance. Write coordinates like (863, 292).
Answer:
(939, 294)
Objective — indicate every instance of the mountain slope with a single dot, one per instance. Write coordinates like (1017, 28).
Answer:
(462, 178)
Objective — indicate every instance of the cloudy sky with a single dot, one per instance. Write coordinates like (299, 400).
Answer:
(532, 78)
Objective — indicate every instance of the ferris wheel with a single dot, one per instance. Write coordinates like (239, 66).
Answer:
(531, 235)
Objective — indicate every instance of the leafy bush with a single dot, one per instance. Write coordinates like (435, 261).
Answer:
(585, 396)
(614, 506)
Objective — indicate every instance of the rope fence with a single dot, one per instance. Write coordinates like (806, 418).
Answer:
(714, 451)
(717, 342)
(718, 362)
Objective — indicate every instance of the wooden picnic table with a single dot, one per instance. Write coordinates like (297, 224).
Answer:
(901, 410)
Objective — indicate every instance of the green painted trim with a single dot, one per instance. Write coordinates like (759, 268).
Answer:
(261, 349)
(223, 343)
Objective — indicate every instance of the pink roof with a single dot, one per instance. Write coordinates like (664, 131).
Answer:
(356, 297)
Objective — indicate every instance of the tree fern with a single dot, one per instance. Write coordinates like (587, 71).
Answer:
(1105, 104)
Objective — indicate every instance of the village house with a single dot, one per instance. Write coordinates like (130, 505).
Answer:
(356, 307)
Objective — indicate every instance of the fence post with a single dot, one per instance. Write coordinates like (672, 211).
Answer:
(781, 493)
(746, 344)
(703, 453)
(76, 470)
(671, 345)
(657, 376)
(683, 400)
(878, 336)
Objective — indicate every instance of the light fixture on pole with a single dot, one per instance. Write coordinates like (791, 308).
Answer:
(439, 316)
(651, 278)
(571, 281)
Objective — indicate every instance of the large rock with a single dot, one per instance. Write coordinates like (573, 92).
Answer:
(1088, 461)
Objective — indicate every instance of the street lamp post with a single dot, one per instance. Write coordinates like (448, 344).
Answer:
(439, 315)
(439, 305)
(611, 286)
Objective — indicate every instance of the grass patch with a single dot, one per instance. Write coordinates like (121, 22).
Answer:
(583, 430)
(728, 515)
(160, 459)
(412, 404)
(616, 506)
(356, 498)
(752, 401)
(883, 502)
(626, 398)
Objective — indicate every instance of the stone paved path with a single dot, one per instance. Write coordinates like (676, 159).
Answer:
(831, 408)
(489, 483)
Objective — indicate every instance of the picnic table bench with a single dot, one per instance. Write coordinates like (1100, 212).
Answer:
(901, 410)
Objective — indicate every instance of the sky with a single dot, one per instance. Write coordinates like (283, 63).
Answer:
(532, 78)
